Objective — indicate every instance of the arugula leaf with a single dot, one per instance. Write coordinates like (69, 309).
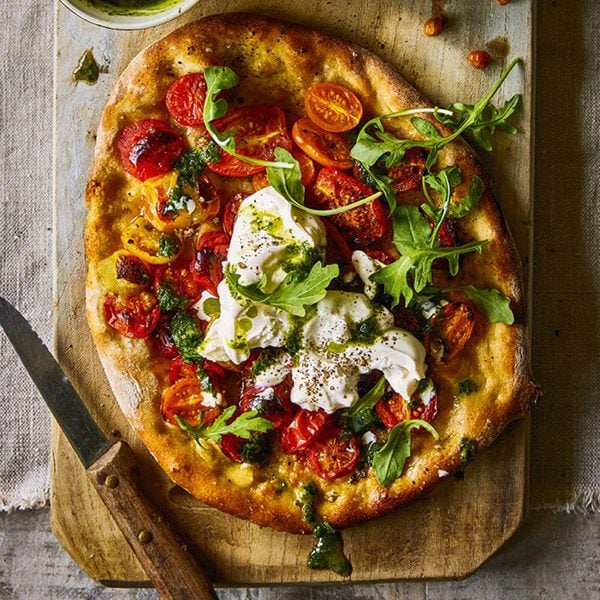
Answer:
(412, 238)
(247, 423)
(288, 183)
(491, 302)
(360, 415)
(388, 460)
(217, 80)
(467, 203)
(481, 119)
(291, 295)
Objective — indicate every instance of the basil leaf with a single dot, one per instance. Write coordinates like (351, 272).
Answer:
(389, 460)
(491, 302)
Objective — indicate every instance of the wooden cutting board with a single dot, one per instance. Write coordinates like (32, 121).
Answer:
(446, 535)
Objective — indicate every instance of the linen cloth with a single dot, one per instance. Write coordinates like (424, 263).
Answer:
(566, 273)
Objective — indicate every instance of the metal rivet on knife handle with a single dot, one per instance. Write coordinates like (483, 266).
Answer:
(111, 481)
(144, 536)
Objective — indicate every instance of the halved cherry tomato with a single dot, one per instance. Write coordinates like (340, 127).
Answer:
(333, 106)
(450, 329)
(305, 428)
(272, 403)
(179, 276)
(324, 147)
(258, 131)
(307, 172)
(211, 251)
(360, 226)
(149, 147)
(184, 399)
(392, 410)
(381, 255)
(334, 456)
(147, 243)
(155, 193)
(230, 212)
(179, 369)
(338, 252)
(409, 320)
(163, 341)
(132, 316)
(408, 174)
(231, 446)
(132, 269)
(185, 99)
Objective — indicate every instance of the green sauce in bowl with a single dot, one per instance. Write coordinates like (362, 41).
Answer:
(131, 7)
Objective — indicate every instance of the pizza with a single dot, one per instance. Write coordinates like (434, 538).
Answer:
(300, 286)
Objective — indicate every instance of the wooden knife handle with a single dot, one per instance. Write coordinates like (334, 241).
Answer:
(166, 560)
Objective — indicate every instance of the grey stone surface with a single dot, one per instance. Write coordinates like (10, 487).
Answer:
(553, 556)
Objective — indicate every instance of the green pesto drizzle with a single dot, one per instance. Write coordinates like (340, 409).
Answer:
(87, 69)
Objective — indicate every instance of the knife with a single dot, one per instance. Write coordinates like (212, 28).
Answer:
(112, 470)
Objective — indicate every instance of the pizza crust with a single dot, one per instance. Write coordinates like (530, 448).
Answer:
(276, 63)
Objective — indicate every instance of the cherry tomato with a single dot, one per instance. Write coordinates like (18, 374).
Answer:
(409, 320)
(132, 316)
(185, 99)
(211, 251)
(338, 252)
(360, 226)
(307, 172)
(392, 410)
(333, 107)
(149, 147)
(231, 446)
(149, 244)
(334, 456)
(132, 269)
(272, 403)
(155, 193)
(395, 409)
(230, 212)
(450, 329)
(381, 255)
(258, 131)
(324, 147)
(408, 174)
(179, 276)
(184, 399)
(179, 369)
(163, 341)
(305, 427)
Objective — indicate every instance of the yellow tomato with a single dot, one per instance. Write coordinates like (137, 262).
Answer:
(149, 244)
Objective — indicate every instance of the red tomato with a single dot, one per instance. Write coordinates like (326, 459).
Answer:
(272, 403)
(161, 336)
(450, 329)
(395, 409)
(211, 251)
(408, 174)
(179, 369)
(409, 320)
(381, 255)
(360, 226)
(230, 212)
(338, 252)
(324, 147)
(179, 276)
(334, 456)
(185, 99)
(133, 269)
(333, 107)
(305, 427)
(184, 399)
(307, 172)
(230, 446)
(149, 148)
(258, 131)
(132, 316)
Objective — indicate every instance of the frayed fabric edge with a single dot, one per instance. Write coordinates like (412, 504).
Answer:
(582, 503)
(27, 503)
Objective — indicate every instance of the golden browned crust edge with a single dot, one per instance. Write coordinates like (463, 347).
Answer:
(316, 56)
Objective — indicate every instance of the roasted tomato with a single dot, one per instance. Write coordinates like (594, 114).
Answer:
(179, 369)
(409, 320)
(132, 316)
(211, 251)
(149, 244)
(185, 99)
(307, 172)
(162, 339)
(304, 429)
(333, 107)
(258, 131)
(360, 226)
(184, 399)
(149, 147)
(394, 409)
(230, 212)
(408, 174)
(324, 147)
(180, 278)
(272, 403)
(450, 328)
(334, 455)
(338, 252)
(132, 269)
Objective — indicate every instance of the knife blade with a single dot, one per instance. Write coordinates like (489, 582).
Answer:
(112, 470)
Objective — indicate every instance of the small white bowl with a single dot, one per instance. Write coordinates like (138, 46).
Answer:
(110, 17)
